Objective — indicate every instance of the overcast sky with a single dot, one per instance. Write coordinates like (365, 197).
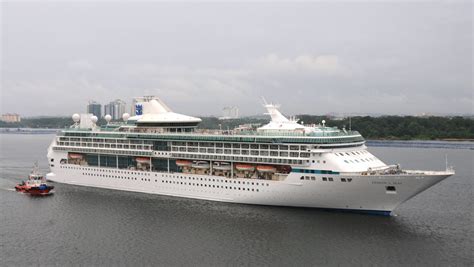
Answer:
(316, 58)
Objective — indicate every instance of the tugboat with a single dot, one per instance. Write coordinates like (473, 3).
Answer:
(35, 185)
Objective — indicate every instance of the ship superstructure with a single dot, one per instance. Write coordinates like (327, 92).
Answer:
(282, 163)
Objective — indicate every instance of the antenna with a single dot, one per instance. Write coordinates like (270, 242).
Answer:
(350, 124)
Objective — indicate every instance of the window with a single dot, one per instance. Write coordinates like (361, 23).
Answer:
(325, 179)
(391, 189)
(343, 179)
(330, 179)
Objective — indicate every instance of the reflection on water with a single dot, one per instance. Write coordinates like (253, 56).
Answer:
(106, 227)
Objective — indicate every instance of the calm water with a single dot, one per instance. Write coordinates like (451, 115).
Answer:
(87, 226)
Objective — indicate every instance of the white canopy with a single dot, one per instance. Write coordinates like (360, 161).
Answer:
(155, 111)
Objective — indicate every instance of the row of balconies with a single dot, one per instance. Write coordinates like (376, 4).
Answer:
(240, 146)
(257, 152)
(102, 145)
(103, 151)
(239, 159)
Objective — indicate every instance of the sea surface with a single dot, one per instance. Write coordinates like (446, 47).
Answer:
(88, 226)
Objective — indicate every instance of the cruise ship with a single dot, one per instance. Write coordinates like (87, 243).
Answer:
(282, 163)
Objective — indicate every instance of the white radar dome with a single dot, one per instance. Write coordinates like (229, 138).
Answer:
(76, 117)
(323, 121)
(125, 116)
(94, 119)
(108, 118)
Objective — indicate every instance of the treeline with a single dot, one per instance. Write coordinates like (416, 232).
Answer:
(386, 127)
(46, 122)
(215, 123)
(406, 127)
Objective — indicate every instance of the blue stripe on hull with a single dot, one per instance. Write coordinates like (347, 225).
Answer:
(371, 212)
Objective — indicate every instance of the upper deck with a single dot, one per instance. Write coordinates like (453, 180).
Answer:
(330, 137)
(154, 121)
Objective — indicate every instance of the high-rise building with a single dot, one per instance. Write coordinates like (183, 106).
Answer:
(115, 109)
(11, 117)
(230, 113)
(95, 108)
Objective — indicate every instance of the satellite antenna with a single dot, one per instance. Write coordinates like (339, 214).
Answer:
(125, 117)
(324, 125)
(94, 120)
(76, 118)
(108, 118)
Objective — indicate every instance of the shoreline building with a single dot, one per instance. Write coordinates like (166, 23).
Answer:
(94, 108)
(11, 117)
(115, 109)
(230, 113)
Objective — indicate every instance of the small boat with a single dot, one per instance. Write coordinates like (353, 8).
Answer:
(244, 167)
(75, 156)
(183, 163)
(266, 168)
(200, 164)
(221, 166)
(35, 185)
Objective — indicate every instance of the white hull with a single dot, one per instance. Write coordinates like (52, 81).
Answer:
(363, 193)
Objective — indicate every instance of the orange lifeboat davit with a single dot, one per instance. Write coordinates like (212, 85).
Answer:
(244, 167)
(183, 163)
(75, 156)
(201, 164)
(143, 160)
(266, 168)
(222, 166)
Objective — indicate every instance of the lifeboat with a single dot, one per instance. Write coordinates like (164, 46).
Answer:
(75, 156)
(200, 165)
(142, 160)
(222, 166)
(266, 168)
(183, 163)
(244, 167)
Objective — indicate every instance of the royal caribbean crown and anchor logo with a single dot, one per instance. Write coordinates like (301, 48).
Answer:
(138, 109)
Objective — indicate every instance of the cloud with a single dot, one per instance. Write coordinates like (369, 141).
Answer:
(321, 64)
(80, 65)
(314, 84)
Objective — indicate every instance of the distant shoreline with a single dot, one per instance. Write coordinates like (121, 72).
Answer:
(28, 131)
(440, 139)
(371, 140)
